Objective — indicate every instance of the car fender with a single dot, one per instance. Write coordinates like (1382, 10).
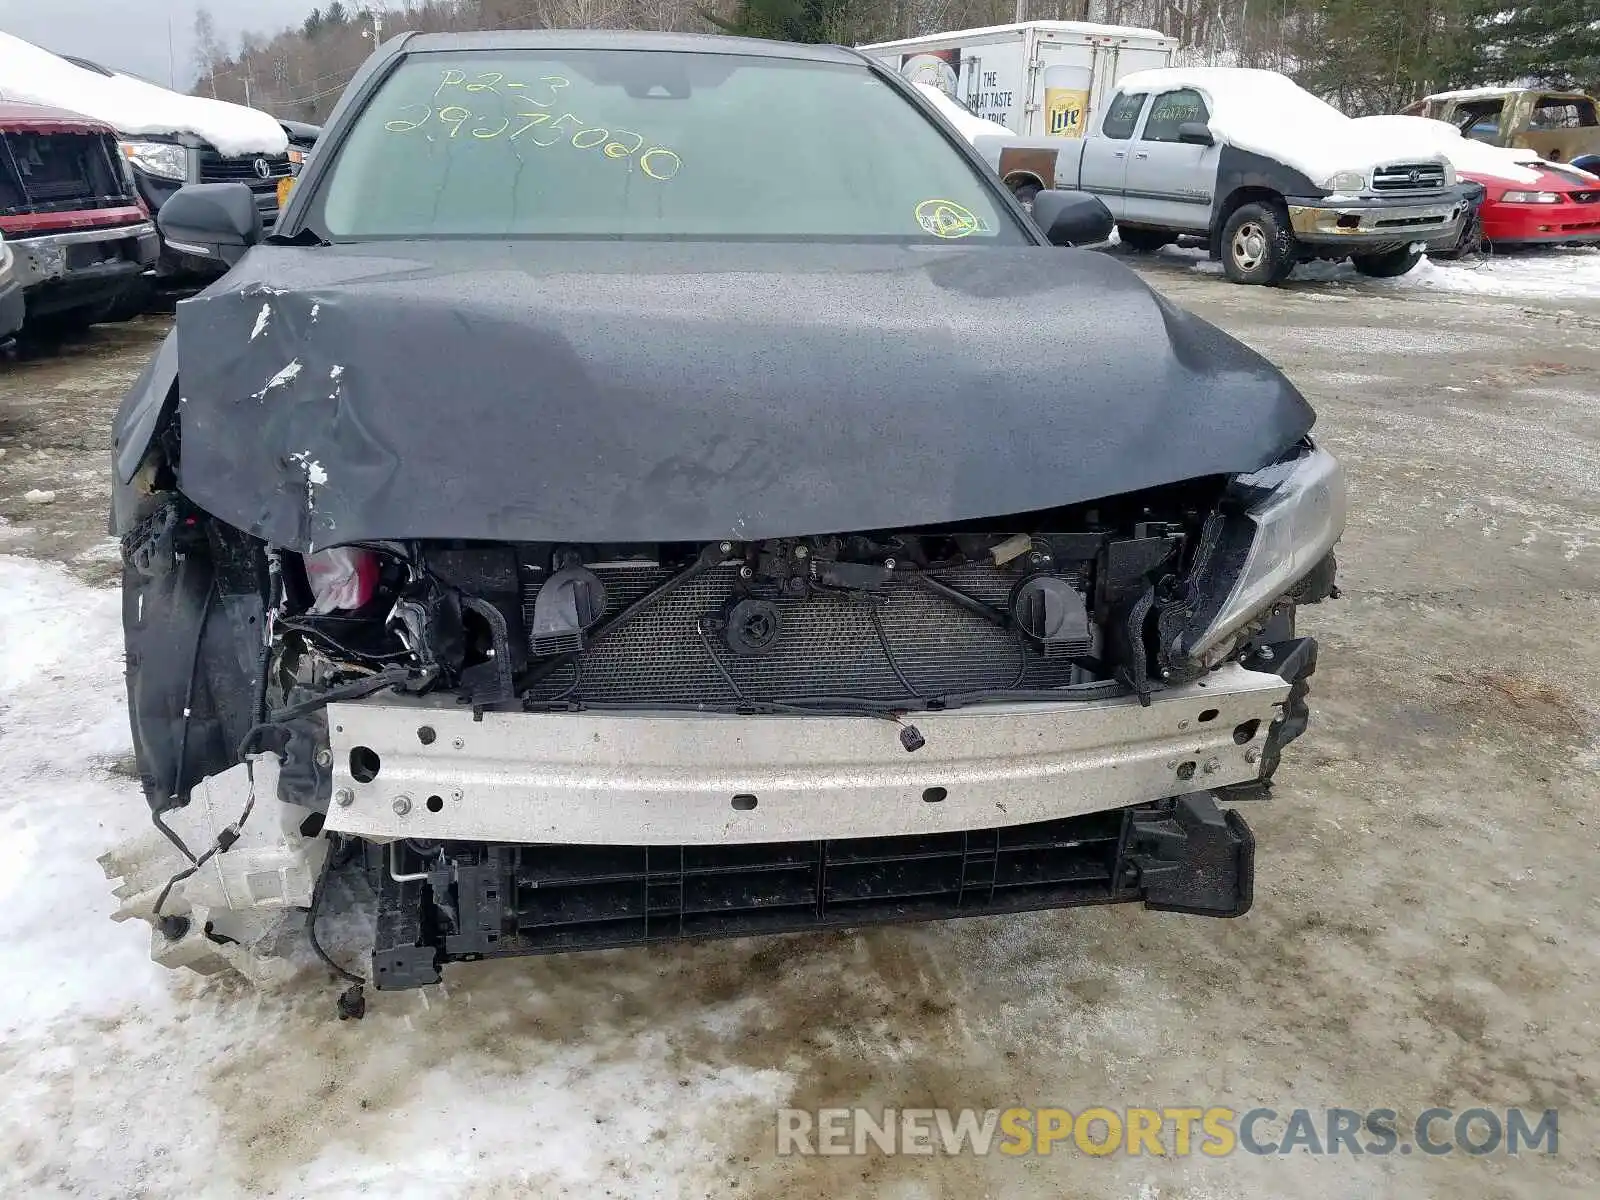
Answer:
(146, 407)
(1244, 176)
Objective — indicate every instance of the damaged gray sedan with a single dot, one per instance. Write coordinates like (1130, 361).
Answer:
(652, 486)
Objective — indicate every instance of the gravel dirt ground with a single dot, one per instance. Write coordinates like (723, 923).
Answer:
(1425, 933)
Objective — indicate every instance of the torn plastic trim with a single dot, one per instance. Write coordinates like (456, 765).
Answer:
(230, 912)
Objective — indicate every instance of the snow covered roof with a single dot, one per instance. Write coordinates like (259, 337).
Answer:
(1271, 115)
(130, 105)
(1516, 164)
(1477, 93)
(967, 125)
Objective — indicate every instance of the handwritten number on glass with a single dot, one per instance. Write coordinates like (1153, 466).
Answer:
(555, 127)
(403, 126)
(455, 116)
(667, 163)
(658, 162)
(617, 150)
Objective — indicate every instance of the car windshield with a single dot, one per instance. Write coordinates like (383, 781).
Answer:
(602, 143)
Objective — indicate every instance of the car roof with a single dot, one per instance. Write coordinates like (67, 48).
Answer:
(620, 39)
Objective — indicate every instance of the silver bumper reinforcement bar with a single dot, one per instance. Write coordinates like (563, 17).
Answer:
(427, 769)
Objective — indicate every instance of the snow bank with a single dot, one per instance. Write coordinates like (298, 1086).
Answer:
(132, 106)
(1465, 153)
(595, 1075)
(1556, 273)
(1270, 114)
(967, 125)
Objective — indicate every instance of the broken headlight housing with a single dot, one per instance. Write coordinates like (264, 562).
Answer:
(1289, 516)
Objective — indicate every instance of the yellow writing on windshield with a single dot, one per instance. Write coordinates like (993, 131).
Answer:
(947, 219)
(456, 121)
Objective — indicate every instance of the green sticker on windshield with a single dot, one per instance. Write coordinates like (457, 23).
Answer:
(947, 219)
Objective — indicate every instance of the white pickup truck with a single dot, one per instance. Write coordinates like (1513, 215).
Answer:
(1268, 174)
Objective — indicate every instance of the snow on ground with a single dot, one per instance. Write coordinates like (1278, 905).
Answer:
(123, 1078)
(1557, 273)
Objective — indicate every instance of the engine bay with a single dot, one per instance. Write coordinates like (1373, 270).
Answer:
(1051, 604)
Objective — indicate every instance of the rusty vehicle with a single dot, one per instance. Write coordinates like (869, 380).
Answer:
(1561, 126)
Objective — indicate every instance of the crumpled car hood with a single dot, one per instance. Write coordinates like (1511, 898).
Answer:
(622, 392)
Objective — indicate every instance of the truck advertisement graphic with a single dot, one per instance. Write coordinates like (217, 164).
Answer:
(1066, 100)
(1044, 79)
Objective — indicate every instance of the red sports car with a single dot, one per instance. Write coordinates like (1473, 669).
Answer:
(1526, 200)
(1561, 205)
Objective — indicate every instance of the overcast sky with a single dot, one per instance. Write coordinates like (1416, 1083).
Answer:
(131, 35)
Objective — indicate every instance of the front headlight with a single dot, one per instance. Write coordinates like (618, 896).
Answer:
(1295, 512)
(161, 159)
(1345, 183)
(1530, 198)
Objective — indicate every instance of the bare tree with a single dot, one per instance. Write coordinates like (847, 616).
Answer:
(208, 52)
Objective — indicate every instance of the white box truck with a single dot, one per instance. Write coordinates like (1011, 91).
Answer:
(1038, 79)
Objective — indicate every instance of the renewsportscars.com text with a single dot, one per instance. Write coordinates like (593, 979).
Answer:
(1166, 1132)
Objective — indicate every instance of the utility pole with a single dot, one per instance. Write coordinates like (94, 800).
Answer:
(1022, 11)
(375, 12)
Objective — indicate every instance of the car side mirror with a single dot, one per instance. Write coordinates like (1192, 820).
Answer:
(213, 220)
(1071, 218)
(1196, 133)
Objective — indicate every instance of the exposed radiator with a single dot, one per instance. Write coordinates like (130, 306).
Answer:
(825, 645)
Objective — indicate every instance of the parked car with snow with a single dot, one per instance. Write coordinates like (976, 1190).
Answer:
(1267, 173)
(1526, 201)
(1559, 126)
(77, 237)
(774, 562)
(168, 139)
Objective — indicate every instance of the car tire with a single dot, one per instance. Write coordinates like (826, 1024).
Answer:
(1144, 241)
(129, 304)
(1387, 266)
(1258, 245)
(1026, 191)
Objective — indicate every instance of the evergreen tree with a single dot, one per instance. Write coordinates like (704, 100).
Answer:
(1555, 43)
(787, 20)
